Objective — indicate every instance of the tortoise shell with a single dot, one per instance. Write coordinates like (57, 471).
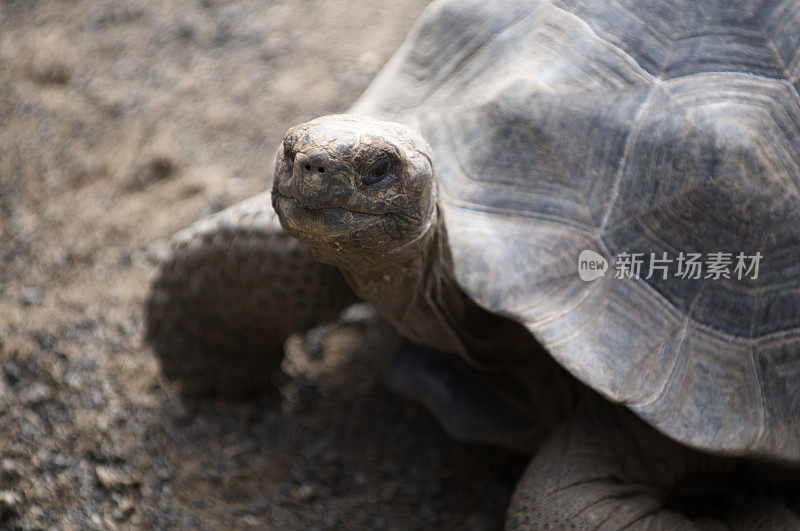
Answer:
(647, 132)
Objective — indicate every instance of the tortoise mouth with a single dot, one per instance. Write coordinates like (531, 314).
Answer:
(317, 222)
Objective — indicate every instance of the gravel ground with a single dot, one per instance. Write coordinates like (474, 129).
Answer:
(122, 123)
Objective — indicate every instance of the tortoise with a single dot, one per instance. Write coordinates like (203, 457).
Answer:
(476, 195)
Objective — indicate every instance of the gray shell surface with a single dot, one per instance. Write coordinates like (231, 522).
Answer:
(625, 126)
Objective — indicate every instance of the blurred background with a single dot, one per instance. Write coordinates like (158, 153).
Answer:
(120, 123)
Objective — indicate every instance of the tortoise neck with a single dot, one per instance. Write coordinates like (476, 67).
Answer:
(408, 289)
(418, 293)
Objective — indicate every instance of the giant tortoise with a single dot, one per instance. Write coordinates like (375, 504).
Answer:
(594, 205)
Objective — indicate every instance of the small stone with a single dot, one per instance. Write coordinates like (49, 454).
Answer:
(9, 502)
(12, 371)
(36, 392)
(32, 296)
(112, 478)
(304, 493)
(9, 469)
(158, 167)
(358, 315)
(124, 510)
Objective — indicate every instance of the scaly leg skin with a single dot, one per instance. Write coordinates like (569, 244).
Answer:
(234, 288)
(485, 407)
(605, 469)
(471, 406)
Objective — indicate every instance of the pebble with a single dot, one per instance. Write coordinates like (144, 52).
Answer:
(9, 469)
(358, 314)
(304, 493)
(9, 502)
(32, 296)
(112, 478)
(125, 509)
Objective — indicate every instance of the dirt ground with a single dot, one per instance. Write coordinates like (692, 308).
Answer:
(120, 123)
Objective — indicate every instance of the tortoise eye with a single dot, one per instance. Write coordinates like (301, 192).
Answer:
(377, 172)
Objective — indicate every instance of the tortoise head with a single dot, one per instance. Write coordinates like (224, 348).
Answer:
(358, 191)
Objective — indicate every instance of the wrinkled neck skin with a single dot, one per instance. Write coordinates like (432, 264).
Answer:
(412, 287)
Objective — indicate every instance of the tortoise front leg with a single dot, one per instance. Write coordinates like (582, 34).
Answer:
(606, 469)
(470, 405)
(233, 289)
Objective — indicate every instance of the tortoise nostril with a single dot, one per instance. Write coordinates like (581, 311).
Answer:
(320, 170)
(307, 167)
